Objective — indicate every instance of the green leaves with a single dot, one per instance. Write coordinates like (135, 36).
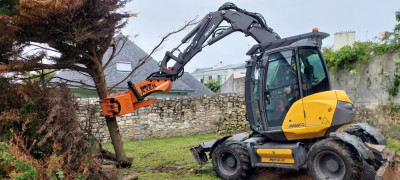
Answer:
(397, 27)
(360, 52)
(348, 55)
(8, 7)
(10, 165)
(214, 84)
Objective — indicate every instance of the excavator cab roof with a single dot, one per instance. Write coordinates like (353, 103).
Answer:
(312, 38)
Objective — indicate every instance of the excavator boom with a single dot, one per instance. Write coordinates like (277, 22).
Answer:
(207, 32)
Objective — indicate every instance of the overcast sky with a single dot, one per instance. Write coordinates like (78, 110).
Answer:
(287, 17)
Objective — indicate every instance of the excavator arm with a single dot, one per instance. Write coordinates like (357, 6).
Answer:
(207, 32)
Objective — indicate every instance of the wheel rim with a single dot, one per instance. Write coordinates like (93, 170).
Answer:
(329, 165)
(228, 163)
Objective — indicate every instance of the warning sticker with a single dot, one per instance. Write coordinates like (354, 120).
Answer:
(325, 121)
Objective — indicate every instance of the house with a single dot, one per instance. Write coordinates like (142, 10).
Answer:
(219, 71)
(233, 85)
(122, 65)
(388, 37)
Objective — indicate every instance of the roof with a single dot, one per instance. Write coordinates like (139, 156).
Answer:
(200, 71)
(195, 84)
(229, 66)
(131, 53)
(232, 66)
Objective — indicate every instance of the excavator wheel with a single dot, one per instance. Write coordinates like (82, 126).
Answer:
(332, 159)
(231, 160)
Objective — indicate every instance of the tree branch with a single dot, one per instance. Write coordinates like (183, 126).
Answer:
(21, 66)
(144, 59)
(45, 48)
(79, 82)
(36, 76)
(107, 44)
(114, 53)
(86, 55)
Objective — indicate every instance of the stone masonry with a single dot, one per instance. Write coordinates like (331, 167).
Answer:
(172, 117)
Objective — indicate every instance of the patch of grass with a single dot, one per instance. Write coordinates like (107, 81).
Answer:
(167, 158)
(393, 144)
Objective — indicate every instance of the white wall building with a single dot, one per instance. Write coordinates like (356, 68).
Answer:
(219, 71)
(387, 37)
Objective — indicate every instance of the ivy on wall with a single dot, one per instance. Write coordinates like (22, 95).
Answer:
(361, 52)
(390, 83)
(358, 55)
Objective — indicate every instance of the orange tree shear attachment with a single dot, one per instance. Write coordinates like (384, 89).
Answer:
(120, 103)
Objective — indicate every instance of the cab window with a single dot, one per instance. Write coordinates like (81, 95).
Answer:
(281, 86)
(314, 76)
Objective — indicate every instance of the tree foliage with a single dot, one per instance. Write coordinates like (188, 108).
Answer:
(40, 134)
(8, 7)
(81, 31)
(347, 55)
(214, 84)
(78, 31)
(40, 76)
(397, 27)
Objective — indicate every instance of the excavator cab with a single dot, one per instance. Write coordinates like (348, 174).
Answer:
(280, 81)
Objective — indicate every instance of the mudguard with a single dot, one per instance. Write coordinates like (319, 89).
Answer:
(367, 129)
(375, 167)
(357, 144)
(199, 152)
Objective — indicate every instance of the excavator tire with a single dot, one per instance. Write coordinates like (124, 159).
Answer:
(332, 159)
(231, 160)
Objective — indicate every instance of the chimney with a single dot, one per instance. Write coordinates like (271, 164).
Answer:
(219, 65)
(343, 39)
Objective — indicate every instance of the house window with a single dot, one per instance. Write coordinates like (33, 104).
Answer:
(202, 81)
(124, 66)
(219, 77)
(209, 77)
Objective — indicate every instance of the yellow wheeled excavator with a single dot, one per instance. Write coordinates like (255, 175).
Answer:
(290, 107)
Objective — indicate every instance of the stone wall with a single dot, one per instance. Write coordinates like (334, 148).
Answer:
(366, 83)
(225, 113)
(384, 118)
(221, 113)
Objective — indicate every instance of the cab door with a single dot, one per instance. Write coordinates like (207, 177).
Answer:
(282, 91)
(319, 102)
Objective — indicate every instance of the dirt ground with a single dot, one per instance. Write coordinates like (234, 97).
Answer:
(397, 170)
(302, 174)
(280, 174)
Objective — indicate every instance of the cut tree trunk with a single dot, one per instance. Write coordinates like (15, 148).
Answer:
(104, 154)
(112, 125)
(117, 142)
